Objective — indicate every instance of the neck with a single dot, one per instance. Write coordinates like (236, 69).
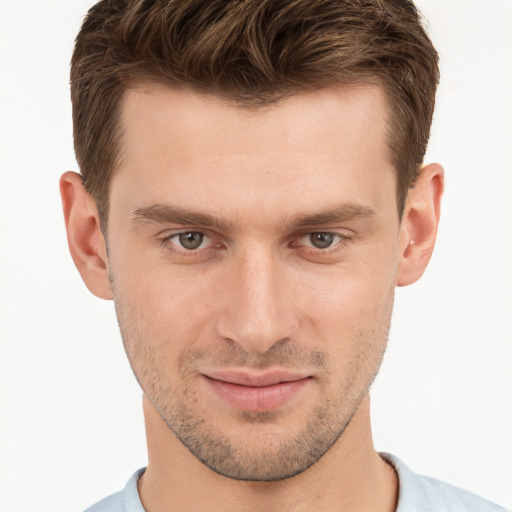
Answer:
(350, 476)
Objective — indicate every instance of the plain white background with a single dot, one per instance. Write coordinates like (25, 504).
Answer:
(71, 428)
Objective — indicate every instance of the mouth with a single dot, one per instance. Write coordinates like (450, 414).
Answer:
(256, 392)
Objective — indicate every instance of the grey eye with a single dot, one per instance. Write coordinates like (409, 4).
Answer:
(191, 240)
(321, 240)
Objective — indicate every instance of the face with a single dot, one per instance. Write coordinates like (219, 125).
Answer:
(253, 256)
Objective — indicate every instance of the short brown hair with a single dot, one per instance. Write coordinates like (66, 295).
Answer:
(253, 53)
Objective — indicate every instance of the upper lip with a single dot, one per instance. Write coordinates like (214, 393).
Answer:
(257, 380)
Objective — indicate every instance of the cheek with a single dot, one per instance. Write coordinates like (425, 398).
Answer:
(348, 312)
(351, 296)
(351, 324)
(159, 307)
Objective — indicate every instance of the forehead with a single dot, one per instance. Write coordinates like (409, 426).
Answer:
(179, 146)
(345, 110)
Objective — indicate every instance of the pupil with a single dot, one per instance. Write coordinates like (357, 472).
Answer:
(322, 240)
(191, 240)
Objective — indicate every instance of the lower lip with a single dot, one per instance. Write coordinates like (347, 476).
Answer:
(257, 399)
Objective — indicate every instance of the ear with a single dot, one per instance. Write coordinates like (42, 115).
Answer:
(419, 224)
(86, 242)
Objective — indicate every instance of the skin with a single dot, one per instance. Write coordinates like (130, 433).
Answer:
(259, 189)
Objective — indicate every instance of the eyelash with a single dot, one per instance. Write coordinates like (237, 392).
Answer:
(167, 243)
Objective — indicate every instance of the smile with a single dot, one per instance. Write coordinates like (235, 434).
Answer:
(259, 393)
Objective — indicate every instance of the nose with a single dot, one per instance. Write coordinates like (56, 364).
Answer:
(258, 306)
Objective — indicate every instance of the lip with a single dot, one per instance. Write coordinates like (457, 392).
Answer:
(256, 392)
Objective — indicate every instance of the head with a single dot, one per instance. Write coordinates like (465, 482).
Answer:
(251, 165)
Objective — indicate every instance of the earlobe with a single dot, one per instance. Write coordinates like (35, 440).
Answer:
(418, 229)
(85, 239)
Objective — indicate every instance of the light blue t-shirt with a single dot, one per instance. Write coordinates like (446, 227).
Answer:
(417, 493)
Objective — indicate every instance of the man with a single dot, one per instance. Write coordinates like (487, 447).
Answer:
(252, 191)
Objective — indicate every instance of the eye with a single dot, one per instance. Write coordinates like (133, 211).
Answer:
(189, 240)
(321, 240)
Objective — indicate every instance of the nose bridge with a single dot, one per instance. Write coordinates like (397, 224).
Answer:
(258, 310)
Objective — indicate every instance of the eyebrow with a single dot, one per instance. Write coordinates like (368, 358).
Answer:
(341, 213)
(171, 214)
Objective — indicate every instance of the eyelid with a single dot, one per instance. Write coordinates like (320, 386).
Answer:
(342, 239)
(342, 234)
(168, 233)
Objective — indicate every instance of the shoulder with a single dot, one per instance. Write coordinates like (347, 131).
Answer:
(127, 500)
(421, 493)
